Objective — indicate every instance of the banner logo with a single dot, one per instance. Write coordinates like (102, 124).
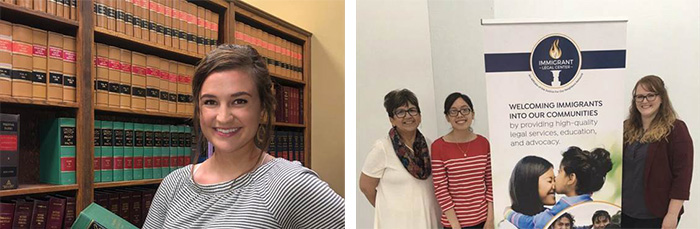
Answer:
(555, 62)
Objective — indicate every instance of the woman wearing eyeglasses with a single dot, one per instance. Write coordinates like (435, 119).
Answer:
(396, 177)
(462, 169)
(657, 159)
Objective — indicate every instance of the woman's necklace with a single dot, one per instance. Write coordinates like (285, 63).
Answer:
(259, 163)
(460, 148)
(469, 143)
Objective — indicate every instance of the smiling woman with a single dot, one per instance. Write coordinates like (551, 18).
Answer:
(461, 163)
(240, 184)
(658, 151)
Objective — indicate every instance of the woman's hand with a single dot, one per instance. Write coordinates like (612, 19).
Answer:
(670, 221)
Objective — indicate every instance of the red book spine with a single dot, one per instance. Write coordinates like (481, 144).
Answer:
(23, 214)
(57, 208)
(7, 212)
(39, 214)
(70, 212)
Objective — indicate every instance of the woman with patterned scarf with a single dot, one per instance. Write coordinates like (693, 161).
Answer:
(396, 177)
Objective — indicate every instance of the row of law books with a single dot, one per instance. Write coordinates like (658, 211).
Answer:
(134, 81)
(288, 145)
(131, 204)
(57, 150)
(283, 57)
(62, 8)
(134, 151)
(172, 23)
(36, 64)
(290, 104)
(49, 211)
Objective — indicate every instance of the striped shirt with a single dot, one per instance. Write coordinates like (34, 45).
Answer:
(278, 194)
(462, 179)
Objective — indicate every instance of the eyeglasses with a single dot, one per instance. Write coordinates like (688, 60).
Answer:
(649, 97)
(402, 113)
(463, 111)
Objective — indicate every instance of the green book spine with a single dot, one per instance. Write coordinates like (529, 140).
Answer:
(138, 150)
(173, 148)
(180, 146)
(128, 151)
(118, 150)
(95, 216)
(57, 160)
(97, 160)
(188, 145)
(107, 151)
(157, 145)
(148, 152)
(165, 150)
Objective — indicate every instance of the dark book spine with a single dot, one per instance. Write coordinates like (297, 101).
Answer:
(136, 215)
(7, 212)
(56, 211)
(39, 214)
(23, 214)
(70, 212)
(9, 149)
(124, 205)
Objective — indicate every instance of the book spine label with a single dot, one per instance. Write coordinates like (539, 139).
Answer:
(9, 150)
(107, 151)
(138, 151)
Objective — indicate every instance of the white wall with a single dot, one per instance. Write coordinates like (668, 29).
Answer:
(456, 38)
(663, 38)
(393, 51)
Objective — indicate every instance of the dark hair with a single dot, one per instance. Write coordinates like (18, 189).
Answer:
(565, 215)
(241, 58)
(524, 185)
(453, 97)
(600, 213)
(590, 168)
(397, 98)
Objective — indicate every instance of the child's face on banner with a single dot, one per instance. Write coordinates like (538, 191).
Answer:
(563, 182)
(546, 187)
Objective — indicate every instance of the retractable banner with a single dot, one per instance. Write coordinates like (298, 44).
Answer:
(556, 105)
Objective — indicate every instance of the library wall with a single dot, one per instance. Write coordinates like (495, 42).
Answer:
(325, 20)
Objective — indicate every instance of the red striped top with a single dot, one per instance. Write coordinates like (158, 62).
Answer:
(462, 179)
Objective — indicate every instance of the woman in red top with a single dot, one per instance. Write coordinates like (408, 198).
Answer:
(461, 162)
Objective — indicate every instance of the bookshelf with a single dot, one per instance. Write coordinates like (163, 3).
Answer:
(85, 109)
(274, 26)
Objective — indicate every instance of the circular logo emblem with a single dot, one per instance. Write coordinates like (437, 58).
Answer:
(555, 62)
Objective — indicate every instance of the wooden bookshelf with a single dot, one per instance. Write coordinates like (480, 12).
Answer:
(36, 19)
(127, 183)
(273, 25)
(287, 80)
(27, 189)
(112, 38)
(289, 124)
(138, 112)
(29, 101)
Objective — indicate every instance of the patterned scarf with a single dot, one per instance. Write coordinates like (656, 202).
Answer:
(417, 163)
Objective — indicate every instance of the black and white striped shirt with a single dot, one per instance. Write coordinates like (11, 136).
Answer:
(278, 194)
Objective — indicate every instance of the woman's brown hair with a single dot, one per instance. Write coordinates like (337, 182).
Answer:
(662, 123)
(240, 58)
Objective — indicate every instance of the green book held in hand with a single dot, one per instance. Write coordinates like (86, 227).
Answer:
(95, 216)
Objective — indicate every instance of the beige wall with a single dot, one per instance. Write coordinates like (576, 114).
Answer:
(326, 20)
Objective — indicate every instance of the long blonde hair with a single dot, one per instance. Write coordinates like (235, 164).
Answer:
(662, 123)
